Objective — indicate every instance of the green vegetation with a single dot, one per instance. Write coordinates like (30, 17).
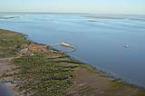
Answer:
(41, 76)
(11, 43)
(118, 85)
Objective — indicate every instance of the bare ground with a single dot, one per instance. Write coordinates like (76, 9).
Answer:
(5, 67)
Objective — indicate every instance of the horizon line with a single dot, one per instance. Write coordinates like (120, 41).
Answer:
(34, 12)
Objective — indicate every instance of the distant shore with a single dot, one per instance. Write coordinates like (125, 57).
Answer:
(37, 70)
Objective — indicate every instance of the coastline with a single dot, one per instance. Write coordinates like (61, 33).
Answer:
(83, 78)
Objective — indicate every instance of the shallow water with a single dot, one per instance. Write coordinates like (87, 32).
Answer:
(114, 44)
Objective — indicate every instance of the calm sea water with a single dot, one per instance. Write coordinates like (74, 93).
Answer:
(114, 44)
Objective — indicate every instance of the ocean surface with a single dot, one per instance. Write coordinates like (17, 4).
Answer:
(112, 43)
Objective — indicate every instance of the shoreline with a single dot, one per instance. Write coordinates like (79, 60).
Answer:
(88, 69)
(106, 74)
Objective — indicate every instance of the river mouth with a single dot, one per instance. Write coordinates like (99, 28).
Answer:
(114, 45)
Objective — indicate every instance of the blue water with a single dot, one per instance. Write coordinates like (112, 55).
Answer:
(114, 44)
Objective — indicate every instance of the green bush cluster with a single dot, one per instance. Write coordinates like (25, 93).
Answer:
(41, 76)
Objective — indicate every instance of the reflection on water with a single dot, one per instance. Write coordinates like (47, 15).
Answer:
(115, 44)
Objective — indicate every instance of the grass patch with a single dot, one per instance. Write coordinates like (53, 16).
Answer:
(117, 85)
(11, 43)
(43, 76)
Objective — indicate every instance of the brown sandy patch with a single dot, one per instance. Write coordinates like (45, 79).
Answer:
(38, 48)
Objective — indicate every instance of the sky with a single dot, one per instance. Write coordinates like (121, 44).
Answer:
(75, 6)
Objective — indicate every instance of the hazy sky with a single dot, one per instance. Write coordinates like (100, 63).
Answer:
(83, 6)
